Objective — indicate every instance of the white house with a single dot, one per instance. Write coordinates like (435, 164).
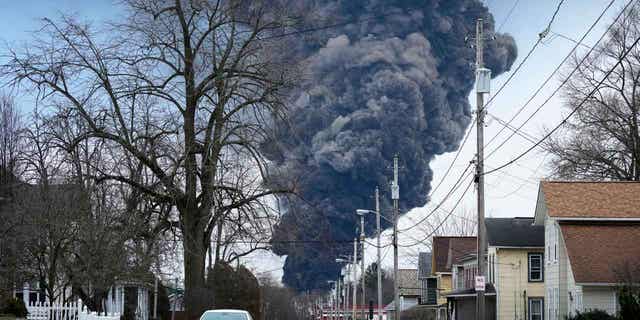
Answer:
(592, 231)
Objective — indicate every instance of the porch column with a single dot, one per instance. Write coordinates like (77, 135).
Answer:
(25, 294)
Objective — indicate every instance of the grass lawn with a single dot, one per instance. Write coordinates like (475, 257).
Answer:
(3, 317)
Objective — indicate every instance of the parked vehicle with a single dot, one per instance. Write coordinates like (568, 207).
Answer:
(226, 314)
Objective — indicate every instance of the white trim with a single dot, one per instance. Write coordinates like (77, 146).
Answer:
(598, 284)
(513, 247)
(596, 219)
(468, 295)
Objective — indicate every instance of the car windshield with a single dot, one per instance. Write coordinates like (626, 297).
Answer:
(224, 316)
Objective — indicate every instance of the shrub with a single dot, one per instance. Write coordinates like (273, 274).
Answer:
(592, 315)
(15, 307)
(629, 303)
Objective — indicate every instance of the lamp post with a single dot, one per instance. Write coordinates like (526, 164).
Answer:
(362, 212)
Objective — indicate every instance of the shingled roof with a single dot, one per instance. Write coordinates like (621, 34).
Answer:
(599, 253)
(514, 232)
(448, 250)
(577, 199)
(408, 283)
(424, 264)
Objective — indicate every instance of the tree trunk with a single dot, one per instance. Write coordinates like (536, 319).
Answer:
(197, 298)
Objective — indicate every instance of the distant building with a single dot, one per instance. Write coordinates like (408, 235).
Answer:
(428, 287)
(447, 251)
(516, 267)
(592, 232)
(409, 291)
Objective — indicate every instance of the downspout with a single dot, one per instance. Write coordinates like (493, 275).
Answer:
(524, 300)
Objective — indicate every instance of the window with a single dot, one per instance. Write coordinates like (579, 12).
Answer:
(431, 297)
(535, 267)
(535, 308)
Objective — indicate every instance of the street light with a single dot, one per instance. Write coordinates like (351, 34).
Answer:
(361, 213)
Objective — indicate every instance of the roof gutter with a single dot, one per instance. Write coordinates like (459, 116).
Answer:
(515, 247)
(596, 219)
(598, 284)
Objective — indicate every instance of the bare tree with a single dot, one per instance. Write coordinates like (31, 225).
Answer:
(11, 130)
(11, 127)
(208, 83)
(602, 140)
(44, 211)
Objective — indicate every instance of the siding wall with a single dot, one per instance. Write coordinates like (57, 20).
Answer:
(603, 298)
(556, 272)
(512, 283)
(444, 286)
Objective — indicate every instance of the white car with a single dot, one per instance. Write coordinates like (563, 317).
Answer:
(226, 314)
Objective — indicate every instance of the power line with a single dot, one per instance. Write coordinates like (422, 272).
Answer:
(515, 4)
(453, 189)
(564, 121)
(443, 220)
(546, 81)
(524, 60)
(339, 24)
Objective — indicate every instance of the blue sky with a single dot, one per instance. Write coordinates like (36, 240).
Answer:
(509, 193)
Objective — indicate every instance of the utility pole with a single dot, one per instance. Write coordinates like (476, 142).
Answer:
(362, 269)
(483, 77)
(346, 289)
(339, 295)
(355, 279)
(395, 196)
(379, 266)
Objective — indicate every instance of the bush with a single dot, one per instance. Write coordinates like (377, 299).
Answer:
(629, 303)
(15, 307)
(592, 315)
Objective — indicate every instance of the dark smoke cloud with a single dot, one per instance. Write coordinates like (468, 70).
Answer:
(394, 84)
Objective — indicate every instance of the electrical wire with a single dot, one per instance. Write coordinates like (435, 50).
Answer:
(451, 191)
(442, 222)
(526, 57)
(515, 4)
(546, 81)
(565, 119)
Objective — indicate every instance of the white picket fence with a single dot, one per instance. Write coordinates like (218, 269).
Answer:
(65, 311)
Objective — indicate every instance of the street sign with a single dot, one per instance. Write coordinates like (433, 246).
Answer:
(480, 283)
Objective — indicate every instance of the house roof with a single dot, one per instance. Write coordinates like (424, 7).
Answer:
(597, 253)
(408, 282)
(424, 264)
(581, 199)
(448, 250)
(514, 232)
(470, 292)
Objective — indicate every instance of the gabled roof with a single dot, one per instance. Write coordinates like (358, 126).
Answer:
(514, 232)
(582, 199)
(424, 264)
(448, 250)
(599, 253)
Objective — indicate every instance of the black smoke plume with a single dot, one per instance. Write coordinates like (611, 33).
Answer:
(396, 82)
